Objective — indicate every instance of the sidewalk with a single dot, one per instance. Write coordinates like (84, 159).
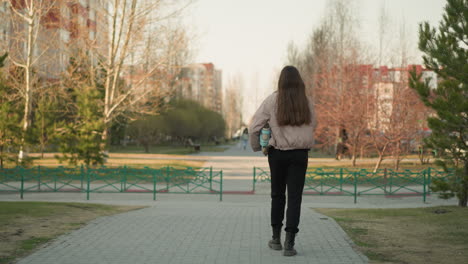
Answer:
(197, 232)
(190, 228)
(237, 165)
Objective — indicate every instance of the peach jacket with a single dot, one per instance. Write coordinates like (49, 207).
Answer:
(284, 137)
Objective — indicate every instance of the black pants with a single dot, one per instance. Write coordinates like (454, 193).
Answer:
(288, 169)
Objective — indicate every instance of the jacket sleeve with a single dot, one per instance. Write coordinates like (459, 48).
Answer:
(259, 120)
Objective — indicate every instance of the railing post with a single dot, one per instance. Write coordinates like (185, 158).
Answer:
(211, 178)
(385, 180)
(123, 178)
(321, 182)
(254, 178)
(355, 187)
(221, 187)
(341, 179)
(391, 181)
(82, 176)
(424, 187)
(22, 183)
(429, 180)
(154, 184)
(88, 183)
(167, 178)
(55, 182)
(188, 182)
(39, 177)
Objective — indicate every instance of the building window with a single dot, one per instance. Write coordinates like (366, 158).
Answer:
(92, 35)
(92, 15)
(81, 21)
(65, 35)
(66, 12)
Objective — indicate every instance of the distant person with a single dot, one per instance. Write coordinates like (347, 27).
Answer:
(342, 146)
(288, 111)
(245, 138)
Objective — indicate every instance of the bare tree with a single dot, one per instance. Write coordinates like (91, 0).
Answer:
(233, 105)
(399, 109)
(400, 112)
(294, 56)
(323, 62)
(130, 23)
(26, 53)
(384, 32)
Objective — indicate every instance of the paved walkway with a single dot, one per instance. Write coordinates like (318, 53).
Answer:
(199, 229)
(237, 165)
(191, 232)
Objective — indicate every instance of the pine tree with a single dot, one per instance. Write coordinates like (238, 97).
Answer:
(80, 134)
(446, 53)
(10, 132)
(80, 140)
(46, 118)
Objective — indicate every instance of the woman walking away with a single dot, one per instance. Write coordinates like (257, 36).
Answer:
(289, 114)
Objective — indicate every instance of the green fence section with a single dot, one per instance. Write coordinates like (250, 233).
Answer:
(112, 180)
(357, 182)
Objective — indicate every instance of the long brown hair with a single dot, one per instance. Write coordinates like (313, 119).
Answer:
(293, 106)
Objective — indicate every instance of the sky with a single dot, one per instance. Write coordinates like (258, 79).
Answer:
(250, 37)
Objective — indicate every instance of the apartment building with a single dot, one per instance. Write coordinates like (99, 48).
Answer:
(4, 26)
(380, 95)
(201, 82)
(64, 25)
(391, 87)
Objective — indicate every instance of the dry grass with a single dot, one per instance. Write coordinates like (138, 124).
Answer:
(135, 160)
(370, 164)
(26, 225)
(417, 235)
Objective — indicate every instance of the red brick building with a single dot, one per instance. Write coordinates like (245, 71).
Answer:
(64, 25)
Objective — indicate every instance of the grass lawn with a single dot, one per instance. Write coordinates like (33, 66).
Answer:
(369, 165)
(168, 149)
(26, 225)
(419, 235)
(131, 162)
(314, 154)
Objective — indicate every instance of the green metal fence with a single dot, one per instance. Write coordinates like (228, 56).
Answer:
(112, 180)
(358, 182)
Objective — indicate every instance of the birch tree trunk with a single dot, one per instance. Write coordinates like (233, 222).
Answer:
(381, 156)
(28, 12)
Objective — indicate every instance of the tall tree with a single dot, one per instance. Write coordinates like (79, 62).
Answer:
(445, 53)
(78, 130)
(80, 140)
(232, 105)
(27, 18)
(10, 132)
(329, 65)
(130, 24)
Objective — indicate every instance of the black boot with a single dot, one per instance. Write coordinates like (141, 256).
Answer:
(275, 242)
(289, 244)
